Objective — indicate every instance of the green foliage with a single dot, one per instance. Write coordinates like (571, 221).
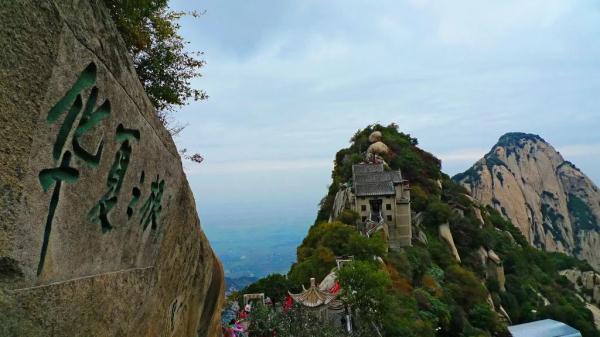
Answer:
(436, 310)
(421, 290)
(334, 236)
(418, 199)
(317, 265)
(530, 272)
(150, 32)
(274, 286)
(483, 317)
(420, 261)
(437, 213)
(584, 217)
(297, 322)
(494, 218)
(364, 248)
(366, 289)
(465, 287)
(348, 217)
(316, 255)
(440, 252)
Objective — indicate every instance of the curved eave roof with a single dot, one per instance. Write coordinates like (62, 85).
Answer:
(313, 297)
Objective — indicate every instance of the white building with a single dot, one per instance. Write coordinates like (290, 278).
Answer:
(543, 328)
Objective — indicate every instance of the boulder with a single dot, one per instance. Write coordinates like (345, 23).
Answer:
(378, 148)
(483, 256)
(99, 233)
(375, 136)
(588, 280)
(495, 269)
(446, 235)
(421, 237)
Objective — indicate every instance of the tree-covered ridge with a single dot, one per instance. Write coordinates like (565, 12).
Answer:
(418, 166)
(423, 290)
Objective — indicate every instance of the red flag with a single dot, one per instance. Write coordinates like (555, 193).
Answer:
(335, 288)
(288, 303)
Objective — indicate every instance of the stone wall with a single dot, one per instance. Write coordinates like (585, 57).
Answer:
(99, 234)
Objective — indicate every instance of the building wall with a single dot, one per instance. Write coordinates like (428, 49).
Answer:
(400, 230)
(363, 207)
(396, 216)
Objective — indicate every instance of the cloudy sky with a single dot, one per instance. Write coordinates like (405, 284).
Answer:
(291, 81)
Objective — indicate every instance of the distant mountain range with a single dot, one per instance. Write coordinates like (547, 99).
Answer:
(238, 283)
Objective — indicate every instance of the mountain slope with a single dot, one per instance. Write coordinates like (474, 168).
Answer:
(556, 207)
(469, 271)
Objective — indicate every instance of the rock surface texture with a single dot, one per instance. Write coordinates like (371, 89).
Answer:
(99, 234)
(553, 203)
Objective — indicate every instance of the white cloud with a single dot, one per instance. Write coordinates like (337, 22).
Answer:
(455, 74)
(476, 23)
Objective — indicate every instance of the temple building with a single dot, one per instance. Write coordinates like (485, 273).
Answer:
(382, 200)
(380, 197)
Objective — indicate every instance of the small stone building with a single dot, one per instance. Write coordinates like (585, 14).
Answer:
(382, 200)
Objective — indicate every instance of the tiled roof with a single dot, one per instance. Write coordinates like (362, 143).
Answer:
(385, 176)
(372, 189)
(372, 180)
(366, 168)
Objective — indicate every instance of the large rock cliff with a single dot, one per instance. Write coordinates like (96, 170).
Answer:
(554, 204)
(99, 234)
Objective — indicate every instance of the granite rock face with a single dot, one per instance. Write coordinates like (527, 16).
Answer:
(553, 203)
(99, 234)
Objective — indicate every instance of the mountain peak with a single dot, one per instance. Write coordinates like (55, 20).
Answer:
(554, 204)
(517, 139)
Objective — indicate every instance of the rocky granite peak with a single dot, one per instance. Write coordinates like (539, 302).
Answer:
(554, 204)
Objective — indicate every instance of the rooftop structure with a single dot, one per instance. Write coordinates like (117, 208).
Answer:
(372, 180)
(323, 301)
(543, 328)
(313, 296)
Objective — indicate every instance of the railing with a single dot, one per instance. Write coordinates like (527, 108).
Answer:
(374, 223)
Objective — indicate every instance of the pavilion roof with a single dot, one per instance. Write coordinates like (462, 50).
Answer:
(313, 297)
